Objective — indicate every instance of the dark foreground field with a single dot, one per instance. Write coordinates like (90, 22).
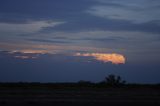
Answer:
(36, 94)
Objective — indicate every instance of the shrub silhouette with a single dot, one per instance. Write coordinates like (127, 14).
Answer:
(113, 80)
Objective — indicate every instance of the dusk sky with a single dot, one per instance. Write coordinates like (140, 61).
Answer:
(72, 40)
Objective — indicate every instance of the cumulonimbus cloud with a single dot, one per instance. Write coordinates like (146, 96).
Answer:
(113, 57)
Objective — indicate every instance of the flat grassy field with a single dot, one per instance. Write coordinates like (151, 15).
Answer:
(74, 94)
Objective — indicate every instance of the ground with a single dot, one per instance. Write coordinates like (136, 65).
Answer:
(27, 94)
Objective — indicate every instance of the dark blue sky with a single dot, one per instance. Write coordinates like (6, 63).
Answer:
(71, 40)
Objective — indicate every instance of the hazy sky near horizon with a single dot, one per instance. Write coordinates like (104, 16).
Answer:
(72, 40)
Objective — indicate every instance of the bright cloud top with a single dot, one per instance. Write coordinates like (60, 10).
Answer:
(114, 58)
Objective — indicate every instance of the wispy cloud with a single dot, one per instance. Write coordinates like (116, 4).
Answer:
(137, 11)
(33, 48)
(28, 53)
(102, 36)
(29, 27)
(59, 41)
(25, 57)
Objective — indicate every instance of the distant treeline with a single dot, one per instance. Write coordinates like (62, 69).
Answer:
(71, 85)
(109, 81)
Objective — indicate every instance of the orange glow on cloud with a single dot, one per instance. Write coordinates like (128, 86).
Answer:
(28, 51)
(25, 57)
(32, 49)
(114, 58)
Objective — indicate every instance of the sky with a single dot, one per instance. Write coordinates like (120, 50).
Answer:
(72, 40)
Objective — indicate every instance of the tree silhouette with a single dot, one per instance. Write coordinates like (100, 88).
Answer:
(113, 80)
